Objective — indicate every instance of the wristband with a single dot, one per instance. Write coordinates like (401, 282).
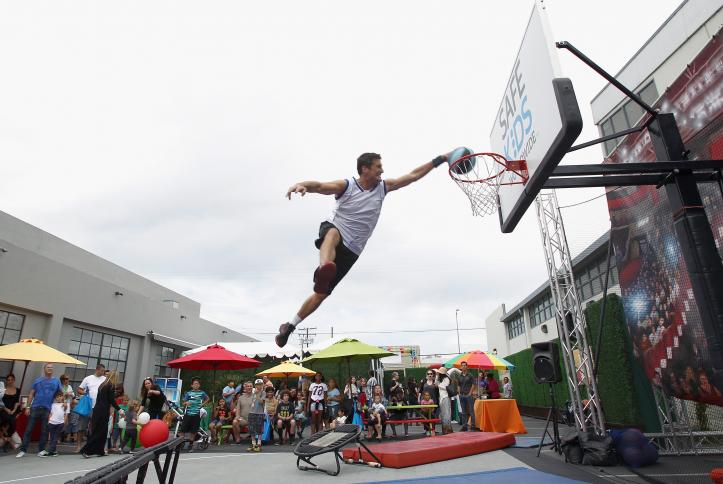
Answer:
(438, 161)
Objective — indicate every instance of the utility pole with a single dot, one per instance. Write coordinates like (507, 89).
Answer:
(306, 337)
(456, 320)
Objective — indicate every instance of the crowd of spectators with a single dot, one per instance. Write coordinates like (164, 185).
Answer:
(256, 411)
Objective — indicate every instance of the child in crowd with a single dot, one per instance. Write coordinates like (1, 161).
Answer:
(428, 413)
(340, 418)
(116, 435)
(270, 408)
(257, 416)
(71, 427)
(300, 414)
(6, 441)
(56, 422)
(285, 418)
(219, 418)
(377, 417)
(129, 437)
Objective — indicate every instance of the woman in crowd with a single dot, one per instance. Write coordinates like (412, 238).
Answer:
(429, 384)
(412, 392)
(152, 399)
(101, 413)
(333, 401)
(445, 405)
(351, 397)
(11, 400)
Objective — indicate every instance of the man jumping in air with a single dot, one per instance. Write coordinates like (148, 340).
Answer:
(343, 236)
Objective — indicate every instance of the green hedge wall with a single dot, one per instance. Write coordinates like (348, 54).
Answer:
(626, 396)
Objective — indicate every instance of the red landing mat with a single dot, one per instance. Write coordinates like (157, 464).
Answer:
(433, 449)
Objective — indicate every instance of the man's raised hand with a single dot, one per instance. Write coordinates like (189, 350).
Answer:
(296, 188)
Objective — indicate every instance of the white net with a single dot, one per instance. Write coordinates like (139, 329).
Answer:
(481, 175)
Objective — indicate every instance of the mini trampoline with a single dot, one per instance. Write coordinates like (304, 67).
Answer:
(332, 440)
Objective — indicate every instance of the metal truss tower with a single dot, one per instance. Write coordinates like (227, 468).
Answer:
(571, 326)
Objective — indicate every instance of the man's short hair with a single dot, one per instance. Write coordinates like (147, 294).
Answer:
(195, 378)
(371, 372)
(366, 159)
(99, 366)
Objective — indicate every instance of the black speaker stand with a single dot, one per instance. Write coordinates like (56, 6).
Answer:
(551, 416)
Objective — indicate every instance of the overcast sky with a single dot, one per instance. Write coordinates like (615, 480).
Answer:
(163, 136)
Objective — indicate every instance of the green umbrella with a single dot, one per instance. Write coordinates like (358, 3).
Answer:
(347, 349)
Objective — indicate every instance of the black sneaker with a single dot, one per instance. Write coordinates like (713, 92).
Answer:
(285, 331)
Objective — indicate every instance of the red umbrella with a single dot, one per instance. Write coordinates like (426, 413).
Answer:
(214, 357)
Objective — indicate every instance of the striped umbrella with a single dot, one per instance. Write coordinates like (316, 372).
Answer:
(480, 360)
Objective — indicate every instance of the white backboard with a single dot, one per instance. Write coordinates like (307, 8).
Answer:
(533, 122)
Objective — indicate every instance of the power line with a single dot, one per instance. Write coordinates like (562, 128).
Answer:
(250, 331)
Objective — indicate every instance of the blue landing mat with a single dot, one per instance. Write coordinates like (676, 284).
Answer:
(526, 442)
(515, 475)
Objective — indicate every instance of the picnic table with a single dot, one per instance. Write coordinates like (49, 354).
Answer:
(412, 414)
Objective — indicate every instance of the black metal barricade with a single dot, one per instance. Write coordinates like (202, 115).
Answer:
(118, 471)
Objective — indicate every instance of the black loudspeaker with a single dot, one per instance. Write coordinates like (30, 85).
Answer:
(546, 362)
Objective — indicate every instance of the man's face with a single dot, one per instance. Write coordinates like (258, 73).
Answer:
(247, 388)
(464, 367)
(99, 371)
(196, 384)
(374, 171)
(48, 369)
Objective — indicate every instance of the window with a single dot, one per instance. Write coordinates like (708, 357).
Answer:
(607, 129)
(591, 278)
(516, 327)
(626, 116)
(649, 94)
(93, 347)
(541, 310)
(163, 356)
(11, 326)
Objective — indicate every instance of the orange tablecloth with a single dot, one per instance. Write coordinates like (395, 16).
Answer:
(498, 415)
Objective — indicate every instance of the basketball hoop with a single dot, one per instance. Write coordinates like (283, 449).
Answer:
(480, 176)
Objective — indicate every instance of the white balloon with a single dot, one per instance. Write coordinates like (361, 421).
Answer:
(122, 423)
(144, 418)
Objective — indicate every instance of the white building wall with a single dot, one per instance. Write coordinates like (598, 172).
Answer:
(665, 55)
(497, 332)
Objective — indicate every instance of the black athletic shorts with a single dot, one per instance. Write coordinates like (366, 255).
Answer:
(345, 258)
(190, 423)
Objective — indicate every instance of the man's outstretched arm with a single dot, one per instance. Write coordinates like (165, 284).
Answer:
(414, 175)
(336, 187)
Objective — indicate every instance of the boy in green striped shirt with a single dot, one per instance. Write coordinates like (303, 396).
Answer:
(193, 400)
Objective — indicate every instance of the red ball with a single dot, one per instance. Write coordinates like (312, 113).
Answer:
(153, 433)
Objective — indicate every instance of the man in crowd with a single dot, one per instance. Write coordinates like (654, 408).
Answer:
(371, 383)
(40, 400)
(243, 408)
(466, 381)
(493, 388)
(89, 385)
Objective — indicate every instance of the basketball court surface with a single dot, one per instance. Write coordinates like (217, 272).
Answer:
(278, 464)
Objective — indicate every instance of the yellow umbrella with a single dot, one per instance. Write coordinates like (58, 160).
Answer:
(286, 369)
(32, 349)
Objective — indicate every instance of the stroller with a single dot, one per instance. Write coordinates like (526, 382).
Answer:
(202, 437)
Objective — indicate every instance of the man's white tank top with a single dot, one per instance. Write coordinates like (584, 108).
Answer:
(357, 212)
